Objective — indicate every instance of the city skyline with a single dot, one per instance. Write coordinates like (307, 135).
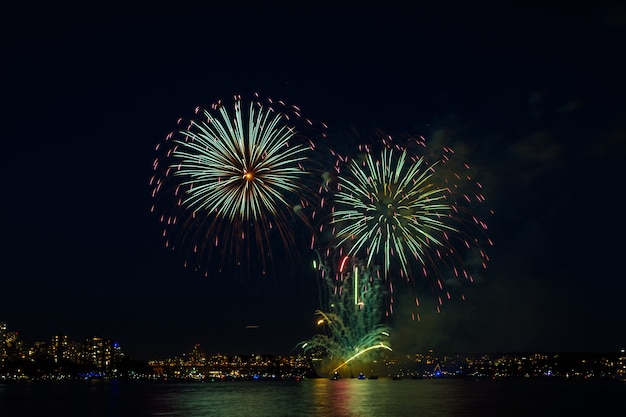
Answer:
(65, 344)
(531, 97)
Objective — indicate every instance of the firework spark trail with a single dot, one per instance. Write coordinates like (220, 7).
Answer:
(233, 180)
(360, 353)
(397, 208)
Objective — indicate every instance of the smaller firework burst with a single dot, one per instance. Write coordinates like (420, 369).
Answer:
(352, 322)
(409, 212)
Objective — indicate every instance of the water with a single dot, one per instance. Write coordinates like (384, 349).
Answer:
(315, 397)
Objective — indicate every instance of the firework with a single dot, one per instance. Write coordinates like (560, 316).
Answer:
(410, 213)
(353, 318)
(234, 181)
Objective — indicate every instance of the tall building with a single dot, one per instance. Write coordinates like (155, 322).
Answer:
(59, 348)
(3, 336)
(620, 370)
(197, 356)
(102, 354)
(13, 346)
(93, 352)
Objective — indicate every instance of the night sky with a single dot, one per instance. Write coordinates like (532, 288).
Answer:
(534, 98)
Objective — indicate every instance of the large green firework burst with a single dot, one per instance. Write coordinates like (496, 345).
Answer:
(240, 179)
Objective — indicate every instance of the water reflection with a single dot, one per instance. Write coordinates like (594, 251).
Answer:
(347, 397)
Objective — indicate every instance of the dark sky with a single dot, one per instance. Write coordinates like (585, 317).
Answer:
(534, 97)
